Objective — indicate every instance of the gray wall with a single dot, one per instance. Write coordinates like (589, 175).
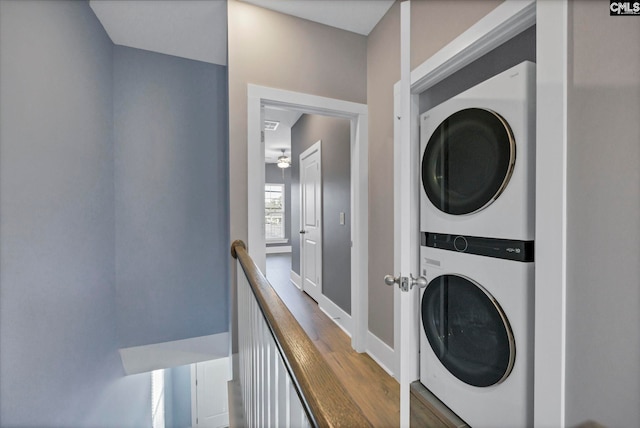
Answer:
(603, 218)
(303, 56)
(434, 24)
(59, 360)
(171, 200)
(335, 135)
(383, 71)
(273, 174)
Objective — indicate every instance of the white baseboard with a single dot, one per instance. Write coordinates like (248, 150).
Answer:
(278, 249)
(333, 311)
(295, 278)
(381, 353)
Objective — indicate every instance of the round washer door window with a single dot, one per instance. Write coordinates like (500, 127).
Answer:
(468, 161)
(468, 331)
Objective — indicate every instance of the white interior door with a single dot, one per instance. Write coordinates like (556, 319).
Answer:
(311, 221)
(210, 403)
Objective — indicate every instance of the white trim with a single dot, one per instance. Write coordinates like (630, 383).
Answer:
(397, 212)
(360, 230)
(552, 43)
(139, 359)
(280, 239)
(358, 114)
(194, 396)
(407, 214)
(500, 25)
(295, 279)
(255, 181)
(276, 249)
(337, 315)
(381, 353)
(276, 241)
(306, 103)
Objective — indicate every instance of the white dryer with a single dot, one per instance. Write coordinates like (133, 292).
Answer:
(478, 153)
(476, 340)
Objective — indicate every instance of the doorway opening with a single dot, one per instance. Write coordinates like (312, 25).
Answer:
(260, 98)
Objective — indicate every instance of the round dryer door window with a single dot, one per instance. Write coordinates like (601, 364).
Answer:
(467, 330)
(468, 161)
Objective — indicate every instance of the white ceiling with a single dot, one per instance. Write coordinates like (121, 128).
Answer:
(197, 29)
(357, 16)
(280, 139)
(193, 29)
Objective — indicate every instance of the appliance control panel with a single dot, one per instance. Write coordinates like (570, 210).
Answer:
(508, 249)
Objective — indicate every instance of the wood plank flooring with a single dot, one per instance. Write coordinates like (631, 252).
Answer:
(374, 390)
(428, 411)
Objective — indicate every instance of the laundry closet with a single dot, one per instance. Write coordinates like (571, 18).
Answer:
(477, 229)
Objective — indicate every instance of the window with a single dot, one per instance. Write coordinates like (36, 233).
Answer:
(274, 212)
(157, 398)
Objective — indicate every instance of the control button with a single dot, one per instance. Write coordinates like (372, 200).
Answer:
(460, 243)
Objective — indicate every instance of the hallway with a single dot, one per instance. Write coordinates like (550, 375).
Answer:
(358, 372)
(299, 303)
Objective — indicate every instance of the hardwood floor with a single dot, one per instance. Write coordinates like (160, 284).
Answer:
(428, 411)
(375, 392)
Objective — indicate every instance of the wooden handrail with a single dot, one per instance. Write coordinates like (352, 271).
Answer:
(326, 401)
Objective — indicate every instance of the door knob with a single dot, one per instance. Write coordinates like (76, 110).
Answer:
(420, 281)
(303, 232)
(390, 280)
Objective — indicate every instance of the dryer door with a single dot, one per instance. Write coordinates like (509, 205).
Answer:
(468, 161)
(468, 330)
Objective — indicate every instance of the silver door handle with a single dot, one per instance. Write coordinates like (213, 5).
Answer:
(391, 280)
(405, 283)
(420, 281)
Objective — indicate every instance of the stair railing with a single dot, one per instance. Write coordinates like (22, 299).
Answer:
(284, 380)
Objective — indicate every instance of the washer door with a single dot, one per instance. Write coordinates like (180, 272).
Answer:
(468, 161)
(468, 330)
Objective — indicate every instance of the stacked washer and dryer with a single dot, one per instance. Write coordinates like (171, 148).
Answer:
(477, 232)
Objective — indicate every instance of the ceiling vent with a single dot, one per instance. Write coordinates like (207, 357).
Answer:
(271, 125)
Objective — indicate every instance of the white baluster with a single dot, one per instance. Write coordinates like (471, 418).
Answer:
(269, 396)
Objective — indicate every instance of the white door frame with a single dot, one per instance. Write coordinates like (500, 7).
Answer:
(406, 220)
(315, 148)
(258, 96)
(500, 25)
(552, 44)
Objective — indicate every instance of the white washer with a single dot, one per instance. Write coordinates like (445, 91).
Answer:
(476, 340)
(477, 159)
